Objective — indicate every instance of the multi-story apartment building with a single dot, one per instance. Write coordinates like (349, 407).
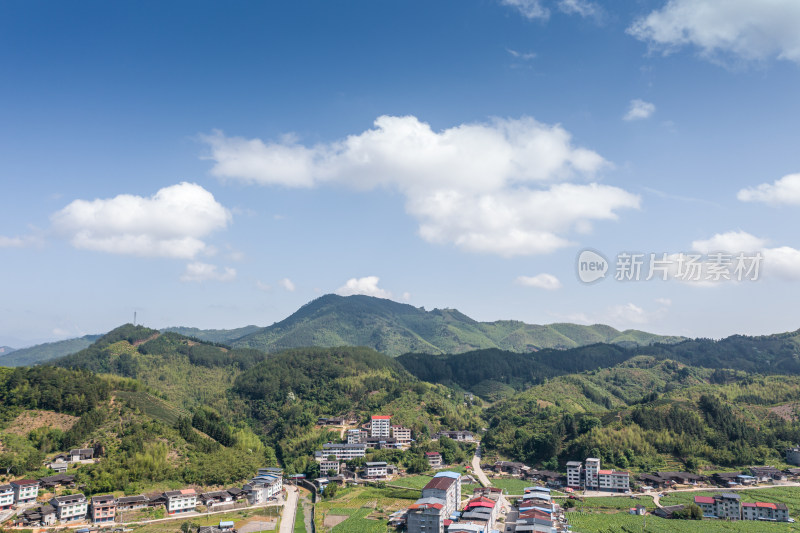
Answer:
(326, 467)
(402, 434)
(574, 471)
(445, 486)
(765, 511)
(793, 455)
(592, 474)
(614, 481)
(375, 469)
(426, 516)
(6, 497)
(434, 459)
(104, 508)
(25, 490)
(726, 505)
(70, 508)
(380, 426)
(343, 452)
(356, 436)
(181, 501)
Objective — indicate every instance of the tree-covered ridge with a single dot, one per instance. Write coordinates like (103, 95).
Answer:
(224, 336)
(395, 328)
(494, 374)
(288, 391)
(646, 414)
(55, 389)
(46, 352)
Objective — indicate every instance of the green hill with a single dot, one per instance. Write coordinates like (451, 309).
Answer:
(46, 352)
(394, 328)
(223, 336)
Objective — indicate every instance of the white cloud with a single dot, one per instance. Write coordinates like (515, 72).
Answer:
(367, 285)
(199, 272)
(783, 191)
(732, 241)
(483, 187)
(171, 223)
(742, 28)
(406, 296)
(584, 8)
(664, 301)
(11, 242)
(287, 284)
(263, 286)
(639, 110)
(531, 9)
(525, 56)
(782, 262)
(622, 316)
(540, 281)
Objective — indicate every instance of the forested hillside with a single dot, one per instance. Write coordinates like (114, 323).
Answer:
(46, 352)
(394, 328)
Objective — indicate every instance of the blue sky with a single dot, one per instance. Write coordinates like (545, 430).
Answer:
(219, 164)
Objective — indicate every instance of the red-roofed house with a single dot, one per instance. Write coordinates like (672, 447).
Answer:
(427, 515)
(434, 459)
(381, 426)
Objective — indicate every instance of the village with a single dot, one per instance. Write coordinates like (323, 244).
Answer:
(541, 506)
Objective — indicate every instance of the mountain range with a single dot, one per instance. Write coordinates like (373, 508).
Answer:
(389, 327)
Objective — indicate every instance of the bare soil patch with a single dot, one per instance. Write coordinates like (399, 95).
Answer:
(34, 419)
(333, 520)
(785, 411)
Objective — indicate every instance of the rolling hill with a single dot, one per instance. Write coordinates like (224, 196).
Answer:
(46, 352)
(395, 328)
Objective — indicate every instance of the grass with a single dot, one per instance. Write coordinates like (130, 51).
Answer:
(510, 484)
(614, 503)
(299, 520)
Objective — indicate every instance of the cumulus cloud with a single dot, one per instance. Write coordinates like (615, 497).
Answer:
(287, 284)
(782, 262)
(540, 281)
(783, 191)
(719, 28)
(623, 316)
(171, 223)
(732, 241)
(484, 187)
(531, 9)
(367, 285)
(639, 110)
(198, 272)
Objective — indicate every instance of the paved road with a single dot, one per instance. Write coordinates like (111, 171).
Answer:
(289, 509)
(477, 470)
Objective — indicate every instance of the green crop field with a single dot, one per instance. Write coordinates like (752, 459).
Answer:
(615, 503)
(598, 522)
(510, 484)
(788, 495)
(367, 509)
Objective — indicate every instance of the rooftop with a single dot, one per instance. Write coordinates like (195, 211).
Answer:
(439, 483)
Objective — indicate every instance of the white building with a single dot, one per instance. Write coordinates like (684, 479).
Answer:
(326, 467)
(592, 481)
(445, 486)
(355, 436)
(343, 452)
(381, 426)
(574, 471)
(70, 508)
(25, 490)
(403, 435)
(375, 469)
(614, 481)
(181, 501)
(6, 497)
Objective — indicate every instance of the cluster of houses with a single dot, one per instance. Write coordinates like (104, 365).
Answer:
(61, 462)
(728, 506)
(71, 508)
(537, 512)
(585, 475)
